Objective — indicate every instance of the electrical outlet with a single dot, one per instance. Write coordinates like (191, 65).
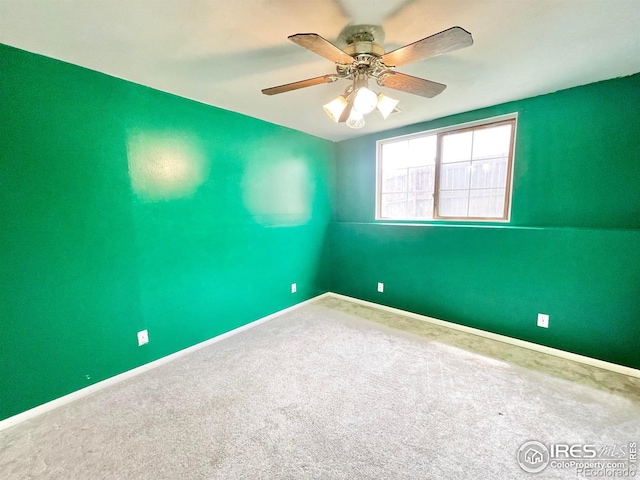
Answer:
(143, 337)
(380, 287)
(543, 320)
(294, 288)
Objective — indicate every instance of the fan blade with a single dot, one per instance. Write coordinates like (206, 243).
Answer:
(409, 84)
(347, 110)
(322, 47)
(309, 82)
(446, 41)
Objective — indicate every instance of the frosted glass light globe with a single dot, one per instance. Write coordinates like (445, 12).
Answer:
(335, 108)
(356, 119)
(366, 100)
(386, 105)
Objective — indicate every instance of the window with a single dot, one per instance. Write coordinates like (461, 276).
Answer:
(457, 173)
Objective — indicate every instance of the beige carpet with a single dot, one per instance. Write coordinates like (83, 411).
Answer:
(331, 391)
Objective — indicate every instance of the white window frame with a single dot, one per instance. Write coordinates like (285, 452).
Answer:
(488, 122)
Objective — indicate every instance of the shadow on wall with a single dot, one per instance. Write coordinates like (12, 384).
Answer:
(166, 166)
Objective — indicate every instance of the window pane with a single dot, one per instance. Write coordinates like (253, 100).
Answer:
(490, 173)
(393, 205)
(422, 151)
(456, 147)
(486, 203)
(395, 154)
(492, 142)
(480, 190)
(420, 205)
(407, 178)
(454, 203)
(422, 178)
(455, 176)
(394, 180)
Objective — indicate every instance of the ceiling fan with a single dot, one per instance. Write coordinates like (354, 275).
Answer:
(362, 59)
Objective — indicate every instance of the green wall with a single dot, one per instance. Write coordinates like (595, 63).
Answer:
(571, 250)
(124, 208)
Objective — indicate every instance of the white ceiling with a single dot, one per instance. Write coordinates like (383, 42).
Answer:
(224, 52)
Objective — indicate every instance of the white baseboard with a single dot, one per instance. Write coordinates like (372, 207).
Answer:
(632, 372)
(46, 407)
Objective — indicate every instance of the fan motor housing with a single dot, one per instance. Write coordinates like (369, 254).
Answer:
(357, 48)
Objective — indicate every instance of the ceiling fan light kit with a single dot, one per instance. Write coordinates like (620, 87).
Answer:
(383, 103)
(361, 59)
